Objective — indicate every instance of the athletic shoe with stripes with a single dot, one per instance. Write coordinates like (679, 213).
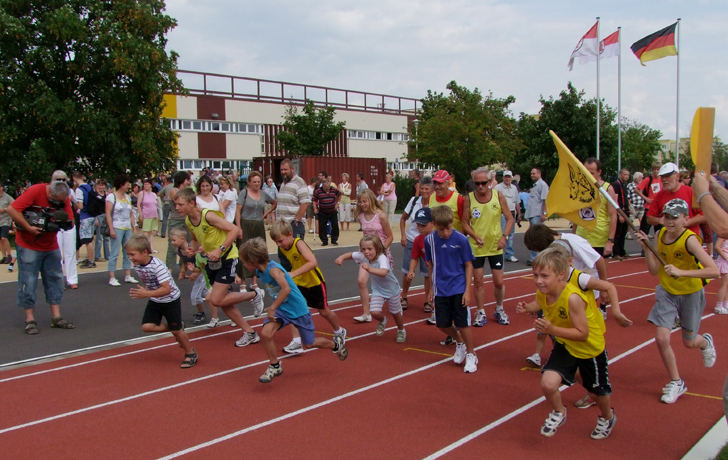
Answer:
(271, 373)
(604, 426)
(341, 350)
(257, 302)
(480, 319)
(552, 423)
(460, 353)
(673, 390)
(295, 347)
(247, 339)
(709, 352)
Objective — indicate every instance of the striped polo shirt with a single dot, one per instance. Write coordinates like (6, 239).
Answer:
(290, 197)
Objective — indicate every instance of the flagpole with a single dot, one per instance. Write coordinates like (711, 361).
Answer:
(598, 101)
(677, 100)
(619, 102)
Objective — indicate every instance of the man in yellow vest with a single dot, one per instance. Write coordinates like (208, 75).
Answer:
(444, 196)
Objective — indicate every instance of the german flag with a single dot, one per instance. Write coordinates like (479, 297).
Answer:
(656, 46)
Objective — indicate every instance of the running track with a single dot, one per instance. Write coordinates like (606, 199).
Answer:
(386, 400)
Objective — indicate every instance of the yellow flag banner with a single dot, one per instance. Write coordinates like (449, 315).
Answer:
(573, 194)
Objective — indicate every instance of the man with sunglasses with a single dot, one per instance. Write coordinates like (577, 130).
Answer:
(38, 251)
(481, 222)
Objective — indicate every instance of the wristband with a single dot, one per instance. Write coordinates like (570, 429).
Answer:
(611, 240)
(702, 195)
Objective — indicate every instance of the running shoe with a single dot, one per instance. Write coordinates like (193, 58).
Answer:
(677, 324)
(257, 302)
(130, 280)
(199, 318)
(721, 310)
(401, 336)
(501, 317)
(534, 359)
(552, 423)
(341, 334)
(271, 373)
(480, 319)
(247, 339)
(381, 327)
(604, 426)
(460, 353)
(11, 266)
(114, 282)
(363, 319)
(471, 363)
(585, 402)
(448, 341)
(673, 390)
(294, 348)
(214, 322)
(341, 350)
(709, 352)
(431, 320)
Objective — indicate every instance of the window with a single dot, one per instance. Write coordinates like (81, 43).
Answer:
(227, 164)
(197, 125)
(225, 127)
(186, 164)
(186, 124)
(198, 164)
(214, 126)
(216, 165)
(252, 128)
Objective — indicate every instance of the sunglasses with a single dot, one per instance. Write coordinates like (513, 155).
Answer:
(481, 183)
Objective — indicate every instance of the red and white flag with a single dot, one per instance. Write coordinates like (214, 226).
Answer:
(609, 47)
(586, 49)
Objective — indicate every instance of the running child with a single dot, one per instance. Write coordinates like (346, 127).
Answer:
(450, 260)
(164, 296)
(215, 235)
(680, 292)
(201, 286)
(288, 307)
(298, 259)
(721, 247)
(579, 331)
(385, 287)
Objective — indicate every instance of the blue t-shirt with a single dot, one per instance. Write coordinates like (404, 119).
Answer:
(85, 188)
(448, 259)
(295, 305)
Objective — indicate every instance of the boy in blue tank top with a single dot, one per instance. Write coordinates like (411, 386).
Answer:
(288, 307)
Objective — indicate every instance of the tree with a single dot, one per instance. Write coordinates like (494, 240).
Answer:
(462, 131)
(82, 85)
(640, 143)
(308, 133)
(720, 154)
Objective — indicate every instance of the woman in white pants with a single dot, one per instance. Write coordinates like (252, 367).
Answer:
(345, 202)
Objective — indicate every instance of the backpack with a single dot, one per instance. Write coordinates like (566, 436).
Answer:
(95, 204)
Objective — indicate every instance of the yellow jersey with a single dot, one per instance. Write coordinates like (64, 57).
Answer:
(452, 203)
(293, 260)
(677, 254)
(211, 237)
(598, 237)
(485, 220)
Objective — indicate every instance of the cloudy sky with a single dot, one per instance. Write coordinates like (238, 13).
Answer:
(516, 47)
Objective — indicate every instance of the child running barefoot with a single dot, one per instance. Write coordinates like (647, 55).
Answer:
(289, 307)
(158, 286)
(680, 292)
(385, 287)
(721, 246)
(298, 259)
(579, 331)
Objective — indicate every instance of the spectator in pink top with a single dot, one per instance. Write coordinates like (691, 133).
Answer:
(148, 216)
(387, 190)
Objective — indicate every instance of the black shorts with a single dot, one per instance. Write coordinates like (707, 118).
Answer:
(171, 311)
(316, 296)
(449, 310)
(496, 262)
(224, 274)
(594, 371)
(4, 231)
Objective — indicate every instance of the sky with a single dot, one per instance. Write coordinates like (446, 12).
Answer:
(516, 47)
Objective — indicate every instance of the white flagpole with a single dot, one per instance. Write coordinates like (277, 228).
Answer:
(619, 101)
(677, 100)
(599, 113)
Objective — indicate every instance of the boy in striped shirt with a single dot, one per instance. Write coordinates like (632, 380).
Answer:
(164, 296)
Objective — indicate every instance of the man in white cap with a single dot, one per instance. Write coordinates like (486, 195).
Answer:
(510, 192)
(673, 189)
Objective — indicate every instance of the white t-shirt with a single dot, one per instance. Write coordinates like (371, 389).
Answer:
(121, 218)
(214, 205)
(230, 210)
(414, 205)
(585, 257)
(382, 286)
(152, 275)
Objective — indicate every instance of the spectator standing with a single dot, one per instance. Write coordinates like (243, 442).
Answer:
(205, 197)
(134, 197)
(647, 190)
(310, 214)
(510, 192)
(148, 216)
(620, 189)
(227, 198)
(536, 204)
(388, 191)
(85, 231)
(636, 202)
(325, 202)
(121, 218)
(167, 204)
(671, 189)
(415, 189)
(345, 201)
(272, 191)
(293, 199)
(68, 239)
(175, 219)
(101, 241)
(38, 253)
(5, 224)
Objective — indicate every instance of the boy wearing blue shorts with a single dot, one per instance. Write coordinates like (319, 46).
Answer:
(450, 259)
(288, 307)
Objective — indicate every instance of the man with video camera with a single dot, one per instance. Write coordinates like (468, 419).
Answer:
(39, 213)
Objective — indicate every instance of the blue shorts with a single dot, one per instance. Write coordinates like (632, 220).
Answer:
(424, 271)
(304, 324)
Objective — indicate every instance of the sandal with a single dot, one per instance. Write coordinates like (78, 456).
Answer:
(403, 303)
(428, 307)
(60, 323)
(31, 327)
(190, 360)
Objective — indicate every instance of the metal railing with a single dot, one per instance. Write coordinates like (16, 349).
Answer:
(210, 84)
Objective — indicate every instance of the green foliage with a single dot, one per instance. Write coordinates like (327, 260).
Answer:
(82, 85)
(720, 154)
(402, 187)
(309, 132)
(462, 131)
(640, 143)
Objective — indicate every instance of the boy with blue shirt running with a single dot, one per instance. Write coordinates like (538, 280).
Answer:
(450, 259)
(288, 307)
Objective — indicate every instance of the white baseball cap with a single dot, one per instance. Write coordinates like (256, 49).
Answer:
(668, 169)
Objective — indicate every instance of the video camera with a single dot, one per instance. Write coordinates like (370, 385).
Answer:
(48, 219)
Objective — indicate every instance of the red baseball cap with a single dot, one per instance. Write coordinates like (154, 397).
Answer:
(441, 176)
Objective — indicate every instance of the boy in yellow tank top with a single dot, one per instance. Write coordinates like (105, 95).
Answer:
(298, 260)
(680, 292)
(216, 236)
(579, 345)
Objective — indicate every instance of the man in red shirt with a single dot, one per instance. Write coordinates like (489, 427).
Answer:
(671, 189)
(38, 252)
(647, 189)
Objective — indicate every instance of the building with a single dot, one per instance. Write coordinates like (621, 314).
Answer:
(226, 121)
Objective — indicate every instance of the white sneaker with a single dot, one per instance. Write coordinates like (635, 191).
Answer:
(480, 319)
(257, 302)
(460, 353)
(363, 319)
(431, 320)
(342, 334)
(672, 391)
(512, 259)
(247, 339)
(471, 363)
(294, 348)
(214, 322)
(721, 311)
(381, 327)
(114, 282)
(709, 352)
(401, 336)
(534, 359)
(552, 423)
(130, 280)
(233, 324)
